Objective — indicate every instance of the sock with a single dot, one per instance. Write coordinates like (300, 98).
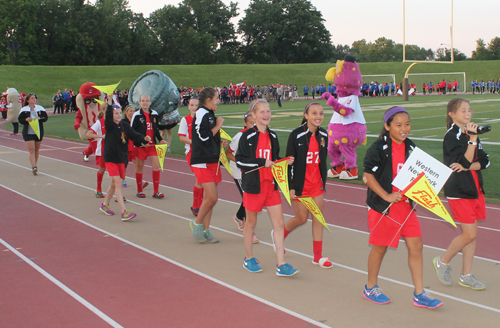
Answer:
(464, 275)
(99, 181)
(156, 181)
(138, 180)
(197, 197)
(317, 250)
(286, 233)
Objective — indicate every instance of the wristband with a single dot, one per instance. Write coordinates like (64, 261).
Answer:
(472, 143)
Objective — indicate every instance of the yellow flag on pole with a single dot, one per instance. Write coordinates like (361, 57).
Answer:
(422, 192)
(35, 125)
(313, 208)
(107, 89)
(280, 173)
(161, 150)
(223, 160)
(100, 102)
(224, 135)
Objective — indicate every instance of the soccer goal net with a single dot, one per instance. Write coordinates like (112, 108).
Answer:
(381, 78)
(420, 78)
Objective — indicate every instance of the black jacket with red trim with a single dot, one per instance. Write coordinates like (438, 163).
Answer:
(139, 124)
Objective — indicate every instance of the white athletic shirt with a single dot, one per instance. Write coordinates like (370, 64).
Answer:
(185, 130)
(233, 146)
(356, 116)
(97, 129)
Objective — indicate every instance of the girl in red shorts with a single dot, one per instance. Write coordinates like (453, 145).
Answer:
(145, 122)
(97, 132)
(390, 214)
(115, 155)
(185, 137)
(206, 143)
(307, 176)
(128, 113)
(258, 148)
(464, 154)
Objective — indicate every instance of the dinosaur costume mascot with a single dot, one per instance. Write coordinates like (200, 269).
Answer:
(88, 109)
(347, 128)
(14, 105)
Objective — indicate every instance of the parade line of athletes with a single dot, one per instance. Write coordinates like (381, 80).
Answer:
(253, 151)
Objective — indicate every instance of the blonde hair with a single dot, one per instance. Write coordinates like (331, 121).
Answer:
(452, 107)
(254, 103)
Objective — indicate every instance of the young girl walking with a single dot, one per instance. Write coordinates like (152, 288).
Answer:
(145, 121)
(206, 143)
(258, 149)
(128, 114)
(307, 176)
(391, 214)
(185, 137)
(98, 132)
(464, 154)
(115, 155)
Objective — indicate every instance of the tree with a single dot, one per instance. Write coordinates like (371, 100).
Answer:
(444, 54)
(284, 31)
(481, 53)
(494, 48)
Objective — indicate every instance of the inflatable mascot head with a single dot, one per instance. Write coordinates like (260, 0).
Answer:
(346, 76)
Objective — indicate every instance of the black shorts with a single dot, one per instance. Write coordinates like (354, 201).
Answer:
(306, 93)
(31, 137)
(167, 127)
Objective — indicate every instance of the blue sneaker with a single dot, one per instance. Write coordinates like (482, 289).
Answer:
(286, 270)
(425, 300)
(376, 295)
(252, 265)
(124, 184)
(197, 230)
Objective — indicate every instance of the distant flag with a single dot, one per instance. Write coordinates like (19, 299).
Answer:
(242, 84)
(161, 150)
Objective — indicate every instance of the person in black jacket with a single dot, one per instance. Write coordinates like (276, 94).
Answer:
(32, 112)
(145, 121)
(391, 214)
(307, 176)
(116, 155)
(464, 154)
(205, 152)
(258, 149)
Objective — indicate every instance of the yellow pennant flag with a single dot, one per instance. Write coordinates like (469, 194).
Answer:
(313, 208)
(224, 135)
(223, 160)
(422, 192)
(100, 102)
(161, 150)
(107, 89)
(35, 125)
(280, 173)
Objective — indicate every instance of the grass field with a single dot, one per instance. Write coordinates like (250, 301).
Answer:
(427, 118)
(45, 80)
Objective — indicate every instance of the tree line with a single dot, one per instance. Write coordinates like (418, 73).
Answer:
(108, 32)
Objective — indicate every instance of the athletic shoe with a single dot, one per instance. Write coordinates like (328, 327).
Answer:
(349, 174)
(324, 263)
(141, 195)
(425, 300)
(98, 194)
(197, 230)
(128, 215)
(145, 184)
(168, 150)
(209, 237)
(239, 223)
(471, 282)
(335, 171)
(254, 239)
(85, 158)
(443, 271)
(124, 200)
(195, 211)
(376, 295)
(124, 184)
(13, 134)
(34, 170)
(252, 265)
(158, 195)
(106, 210)
(286, 270)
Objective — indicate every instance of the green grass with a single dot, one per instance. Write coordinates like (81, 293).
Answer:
(427, 118)
(45, 80)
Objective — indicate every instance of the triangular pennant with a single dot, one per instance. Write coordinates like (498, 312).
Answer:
(107, 89)
(35, 125)
(161, 150)
(313, 208)
(224, 135)
(280, 173)
(223, 160)
(420, 191)
(100, 102)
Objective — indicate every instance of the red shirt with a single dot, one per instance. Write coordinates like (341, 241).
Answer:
(149, 130)
(264, 151)
(398, 160)
(313, 174)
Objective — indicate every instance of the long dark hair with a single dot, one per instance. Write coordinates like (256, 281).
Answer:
(384, 132)
(452, 107)
(306, 110)
(205, 94)
(28, 98)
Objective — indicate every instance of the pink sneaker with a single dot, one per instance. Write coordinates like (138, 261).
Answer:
(128, 215)
(106, 210)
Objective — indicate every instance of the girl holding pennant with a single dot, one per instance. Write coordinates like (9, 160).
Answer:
(464, 154)
(145, 122)
(258, 150)
(307, 176)
(32, 117)
(390, 214)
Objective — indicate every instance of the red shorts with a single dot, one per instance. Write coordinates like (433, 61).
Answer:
(188, 159)
(144, 152)
(212, 173)
(116, 169)
(131, 155)
(384, 231)
(314, 191)
(267, 197)
(99, 161)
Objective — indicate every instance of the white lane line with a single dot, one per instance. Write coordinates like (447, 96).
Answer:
(236, 289)
(56, 282)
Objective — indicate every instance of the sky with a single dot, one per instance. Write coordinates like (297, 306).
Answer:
(427, 21)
